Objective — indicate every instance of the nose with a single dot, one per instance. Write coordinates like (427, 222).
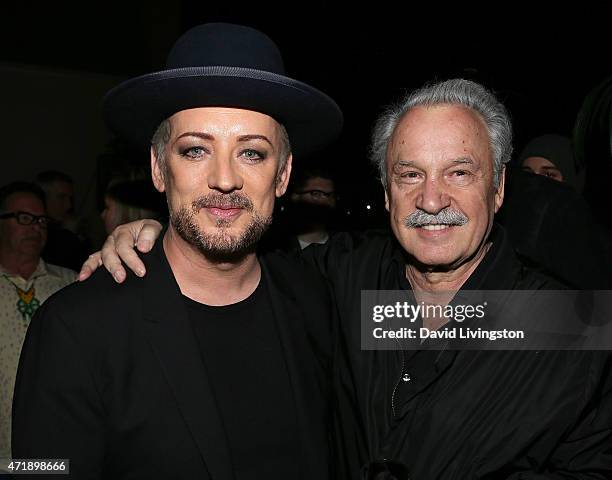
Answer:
(36, 228)
(432, 197)
(223, 175)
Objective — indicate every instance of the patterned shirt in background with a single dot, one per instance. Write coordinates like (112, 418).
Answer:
(17, 305)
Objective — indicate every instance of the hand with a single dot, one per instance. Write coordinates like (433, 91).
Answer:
(119, 246)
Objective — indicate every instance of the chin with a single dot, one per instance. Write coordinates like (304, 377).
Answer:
(435, 263)
(440, 259)
(230, 232)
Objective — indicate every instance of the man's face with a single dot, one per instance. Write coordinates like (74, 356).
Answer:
(440, 171)
(60, 196)
(26, 241)
(221, 177)
(111, 214)
(317, 191)
(542, 166)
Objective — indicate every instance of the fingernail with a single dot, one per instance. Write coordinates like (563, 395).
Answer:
(117, 276)
(140, 272)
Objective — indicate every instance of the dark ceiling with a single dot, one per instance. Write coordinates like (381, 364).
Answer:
(541, 68)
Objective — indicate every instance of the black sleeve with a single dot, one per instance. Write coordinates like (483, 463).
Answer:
(57, 411)
(586, 451)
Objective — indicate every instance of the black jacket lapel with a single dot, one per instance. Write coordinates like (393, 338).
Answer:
(290, 326)
(173, 341)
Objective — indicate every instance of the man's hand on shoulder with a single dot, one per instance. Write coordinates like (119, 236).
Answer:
(120, 246)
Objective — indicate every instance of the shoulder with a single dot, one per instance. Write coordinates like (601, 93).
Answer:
(290, 268)
(99, 300)
(360, 242)
(65, 275)
(370, 249)
(535, 277)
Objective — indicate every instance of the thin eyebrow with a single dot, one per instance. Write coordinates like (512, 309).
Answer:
(202, 135)
(246, 138)
(550, 168)
(207, 136)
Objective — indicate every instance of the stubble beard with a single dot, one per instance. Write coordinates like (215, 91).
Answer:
(221, 246)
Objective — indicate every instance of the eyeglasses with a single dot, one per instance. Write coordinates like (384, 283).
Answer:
(25, 218)
(319, 194)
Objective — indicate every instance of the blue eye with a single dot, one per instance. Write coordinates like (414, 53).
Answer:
(252, 155)
(193, 152)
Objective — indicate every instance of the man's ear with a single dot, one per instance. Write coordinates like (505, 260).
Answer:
(282, 179)
(499, 193)
(157, 172)
(386, 195)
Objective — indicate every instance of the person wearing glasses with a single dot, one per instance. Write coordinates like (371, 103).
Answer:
(25, 282)
(310, 213)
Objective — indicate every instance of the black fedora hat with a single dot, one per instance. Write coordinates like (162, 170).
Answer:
(223, 65)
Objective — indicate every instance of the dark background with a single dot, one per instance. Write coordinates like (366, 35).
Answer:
(541, 64)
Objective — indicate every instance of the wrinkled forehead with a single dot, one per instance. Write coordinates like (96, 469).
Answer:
(438, 132)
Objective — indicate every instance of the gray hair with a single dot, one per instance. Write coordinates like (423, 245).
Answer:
(160, 139)
(450, 92)
(162, 136)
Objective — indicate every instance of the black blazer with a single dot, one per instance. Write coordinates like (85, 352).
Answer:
(111, 377)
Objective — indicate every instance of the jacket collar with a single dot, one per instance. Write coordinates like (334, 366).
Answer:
(499, 268)
(290, 324)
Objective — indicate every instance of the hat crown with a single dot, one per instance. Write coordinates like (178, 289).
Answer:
(226, 44)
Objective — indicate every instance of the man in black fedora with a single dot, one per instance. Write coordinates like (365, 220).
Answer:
(216, 365)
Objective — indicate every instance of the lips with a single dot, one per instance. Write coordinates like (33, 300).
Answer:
(435, 231)
(434, 228)
(223, 212)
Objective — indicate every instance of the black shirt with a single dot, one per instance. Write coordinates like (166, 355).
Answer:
(242, 354)
(462, 414)
(111, 376)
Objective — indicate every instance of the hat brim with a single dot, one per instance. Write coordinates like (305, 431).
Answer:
(135, 108)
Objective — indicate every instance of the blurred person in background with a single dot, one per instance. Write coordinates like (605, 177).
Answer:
(26, 281)
(130, 200)
(64, 246)
(552, 229)
(310, 213)
(59, 194)
(551, 156)
(591, 138)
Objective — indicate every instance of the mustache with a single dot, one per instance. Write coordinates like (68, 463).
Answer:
(447, 216)
(222, 200)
